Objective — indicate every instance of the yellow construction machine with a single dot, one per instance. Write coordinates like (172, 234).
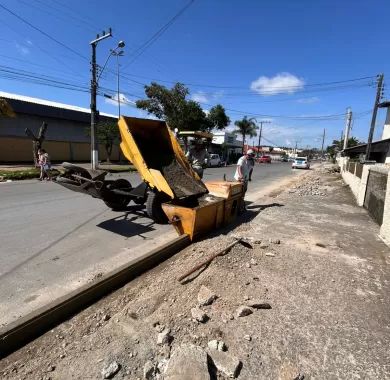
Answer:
(171, 190)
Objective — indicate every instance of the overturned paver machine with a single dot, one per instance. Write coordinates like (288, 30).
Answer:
(171, 190)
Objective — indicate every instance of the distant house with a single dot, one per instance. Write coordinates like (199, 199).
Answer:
(225, 144)
(66, 137)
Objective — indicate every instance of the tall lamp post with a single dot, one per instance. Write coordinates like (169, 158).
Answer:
(118, 54)
(94, 87)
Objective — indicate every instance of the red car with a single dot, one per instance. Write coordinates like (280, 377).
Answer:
(264, 160)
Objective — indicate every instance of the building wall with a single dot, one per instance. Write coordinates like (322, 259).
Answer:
(57, 129)
(16, 149)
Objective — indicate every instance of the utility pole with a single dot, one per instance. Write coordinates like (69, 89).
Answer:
(94, 86)
(347, 128)
(261, 130)
(322, 146)
(374, 112)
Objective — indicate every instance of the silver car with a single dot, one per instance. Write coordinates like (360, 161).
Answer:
(300, 163)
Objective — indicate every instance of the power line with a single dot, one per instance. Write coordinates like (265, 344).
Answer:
(42, 32)
(139, 51)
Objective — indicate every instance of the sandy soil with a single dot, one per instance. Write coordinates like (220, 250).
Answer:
(315, 258)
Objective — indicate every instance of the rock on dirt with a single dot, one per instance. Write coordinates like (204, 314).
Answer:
(243, 311)
(206, 296)
(228, 364)
(218, 345)
(188, 362)
(199, 315)
(164, 337)
(259, 304)
(111, 370)
(149, 370)
(274, 241)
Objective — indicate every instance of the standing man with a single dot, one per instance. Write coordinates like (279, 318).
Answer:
(244, 165)
(251, 160)
(197, 156)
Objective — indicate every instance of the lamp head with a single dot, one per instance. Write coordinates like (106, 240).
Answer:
(121, 44)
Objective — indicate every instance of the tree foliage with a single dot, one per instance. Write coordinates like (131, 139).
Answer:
(107, 133)
(337, 145)
(172, 106)
(245, 127)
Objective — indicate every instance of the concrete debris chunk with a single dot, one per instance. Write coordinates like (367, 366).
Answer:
(188, 362)
(248, 338)
(253, 262)
(164, 337)
(149, 370)
(259, 304)
(111, 370)
(227, 364)
(274, 241)
(243, 311)
(270, 254)
(199, 315)
(206, 296)
(218, 345)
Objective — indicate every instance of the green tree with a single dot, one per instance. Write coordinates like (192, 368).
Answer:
(245, 127)
(107, 133)
(218, 118)
(337, 145)
(172, 106)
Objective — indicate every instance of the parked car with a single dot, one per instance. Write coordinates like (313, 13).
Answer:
(264, 160)
(301, 163)
(214, 160)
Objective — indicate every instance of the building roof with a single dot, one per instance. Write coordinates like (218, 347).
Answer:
(47, 108)
(376, 146)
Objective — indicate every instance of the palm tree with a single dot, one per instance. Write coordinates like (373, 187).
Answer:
(245, 127)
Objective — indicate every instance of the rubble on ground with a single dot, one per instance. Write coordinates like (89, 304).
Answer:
(275, 311)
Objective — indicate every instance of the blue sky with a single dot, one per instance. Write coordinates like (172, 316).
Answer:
(255, 57)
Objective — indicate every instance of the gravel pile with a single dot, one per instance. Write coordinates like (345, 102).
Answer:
(310, 188)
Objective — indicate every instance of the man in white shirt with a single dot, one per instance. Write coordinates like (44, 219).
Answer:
(244, 165)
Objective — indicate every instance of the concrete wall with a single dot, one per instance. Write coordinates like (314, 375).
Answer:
(385, 227)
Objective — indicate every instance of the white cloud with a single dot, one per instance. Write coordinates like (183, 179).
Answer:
(199, 97)
(23, 50)
(313, 99)
(122, 98)
(282, 83)
(29, 42)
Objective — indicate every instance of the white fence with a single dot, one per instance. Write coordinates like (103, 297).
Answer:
(370, 184)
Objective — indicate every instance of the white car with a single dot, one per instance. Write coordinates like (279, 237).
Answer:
(300, 163)
(214, 160)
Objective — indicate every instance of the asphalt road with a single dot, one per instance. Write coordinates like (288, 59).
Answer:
(54, 240)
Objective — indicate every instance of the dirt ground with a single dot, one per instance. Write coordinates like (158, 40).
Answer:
(315, 259)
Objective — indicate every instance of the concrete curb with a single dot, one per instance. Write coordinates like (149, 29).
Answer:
(24, 330)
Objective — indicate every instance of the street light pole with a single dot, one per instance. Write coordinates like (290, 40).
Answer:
(94, 113)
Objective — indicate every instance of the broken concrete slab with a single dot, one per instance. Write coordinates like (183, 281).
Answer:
(111, 370)
(187, 362)
(164, 337)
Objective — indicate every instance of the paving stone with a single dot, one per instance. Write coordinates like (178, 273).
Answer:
(206, 296)
(187, 362)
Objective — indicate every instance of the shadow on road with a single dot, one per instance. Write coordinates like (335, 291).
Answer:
(129, 223)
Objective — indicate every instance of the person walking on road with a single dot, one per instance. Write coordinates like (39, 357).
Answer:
(198, 156)
(44, 163)
(244, 165)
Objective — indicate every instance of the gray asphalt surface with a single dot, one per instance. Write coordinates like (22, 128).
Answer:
(54, 240)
